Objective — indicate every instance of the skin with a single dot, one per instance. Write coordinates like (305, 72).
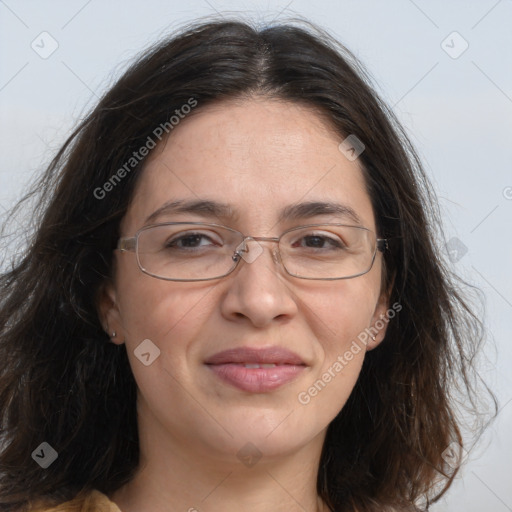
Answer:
(258, 155)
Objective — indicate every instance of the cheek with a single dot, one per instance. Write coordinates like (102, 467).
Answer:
(168, 314)
(341, 316)
(152, 307)
(171, 317)
(339, 313)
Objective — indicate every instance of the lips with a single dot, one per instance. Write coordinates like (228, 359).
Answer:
(256, 370)
(271, 355)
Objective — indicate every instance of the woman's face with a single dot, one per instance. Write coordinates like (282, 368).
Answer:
(259, 157)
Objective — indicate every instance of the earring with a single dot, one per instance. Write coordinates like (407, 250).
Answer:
(373, 338)
(113, 334)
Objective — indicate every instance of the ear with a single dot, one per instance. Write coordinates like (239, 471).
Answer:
(109, 314)
(381, 318)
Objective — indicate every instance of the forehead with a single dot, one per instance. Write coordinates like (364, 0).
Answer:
(259, 156)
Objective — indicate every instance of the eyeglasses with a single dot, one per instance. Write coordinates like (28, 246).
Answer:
(194, 251)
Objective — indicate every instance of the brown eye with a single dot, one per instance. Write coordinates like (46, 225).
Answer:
(191, 240)
(321, 242)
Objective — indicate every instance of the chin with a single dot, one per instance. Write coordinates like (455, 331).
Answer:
(264, 435)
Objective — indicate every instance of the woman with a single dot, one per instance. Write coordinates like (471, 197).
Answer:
(234, 298)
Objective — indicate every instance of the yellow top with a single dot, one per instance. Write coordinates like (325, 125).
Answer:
(94, 501)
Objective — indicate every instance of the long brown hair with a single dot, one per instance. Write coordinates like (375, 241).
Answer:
(61, 382)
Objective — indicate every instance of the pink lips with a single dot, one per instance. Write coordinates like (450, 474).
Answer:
(256, 370)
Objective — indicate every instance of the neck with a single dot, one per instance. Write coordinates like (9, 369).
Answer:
(179, 475)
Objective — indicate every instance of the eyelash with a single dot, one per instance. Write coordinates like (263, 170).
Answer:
(335, 243)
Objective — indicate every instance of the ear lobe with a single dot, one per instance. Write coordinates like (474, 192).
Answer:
(380, 320)
(108, 312)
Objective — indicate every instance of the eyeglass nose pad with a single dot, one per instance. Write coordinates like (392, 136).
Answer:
(276, 255)
(249, 249)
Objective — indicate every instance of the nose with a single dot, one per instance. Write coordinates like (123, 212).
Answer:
(258, 291)
(249, 249)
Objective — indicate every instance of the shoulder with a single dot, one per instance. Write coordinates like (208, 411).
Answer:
(90, 501)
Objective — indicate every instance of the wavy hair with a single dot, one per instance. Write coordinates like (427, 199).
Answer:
(62, 382)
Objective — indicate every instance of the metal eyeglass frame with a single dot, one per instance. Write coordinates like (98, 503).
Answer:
(130, 244)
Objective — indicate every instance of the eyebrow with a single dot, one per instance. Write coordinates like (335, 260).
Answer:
(210, 208)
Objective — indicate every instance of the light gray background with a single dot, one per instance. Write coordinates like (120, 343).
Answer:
(457, 110)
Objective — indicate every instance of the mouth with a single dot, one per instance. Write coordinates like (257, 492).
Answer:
(256, 370)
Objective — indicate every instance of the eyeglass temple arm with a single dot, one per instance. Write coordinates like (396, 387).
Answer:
(382, 244)
(126, 244)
